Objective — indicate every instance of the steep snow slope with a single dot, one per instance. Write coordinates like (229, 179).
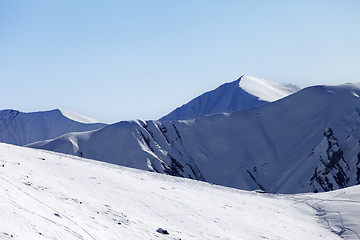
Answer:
(308, 141)
(244, 93)
(46, 195)
(23, 128)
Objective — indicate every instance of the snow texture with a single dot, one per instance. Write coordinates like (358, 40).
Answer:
(244, 93)
(46, 195)
(266, 90)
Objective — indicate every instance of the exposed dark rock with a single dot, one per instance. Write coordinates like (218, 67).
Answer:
(164, 130)
(334, 167)
(147, 141)
(358, 169)
(150, 133)
(177, 132)
(163, 231)
(196, 172)
(175, 168)
(253, 178)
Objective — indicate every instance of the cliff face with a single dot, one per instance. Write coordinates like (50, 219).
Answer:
(332, 172)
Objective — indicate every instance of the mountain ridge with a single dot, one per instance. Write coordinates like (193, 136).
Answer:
(243, 93)
(277, 147)
(22, 128)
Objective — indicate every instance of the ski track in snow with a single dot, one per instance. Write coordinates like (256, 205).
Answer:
(320, 205)
(73, 232)
(47, 195)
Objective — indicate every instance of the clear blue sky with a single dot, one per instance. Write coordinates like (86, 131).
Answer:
(120, 60)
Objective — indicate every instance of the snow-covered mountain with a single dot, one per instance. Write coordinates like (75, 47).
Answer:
(308, 141)
(244, 93)
(47, 195)
(23, 128)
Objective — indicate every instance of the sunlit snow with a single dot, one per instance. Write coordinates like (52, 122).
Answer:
(77, 117)
(244, 93)
(47, 195)
(266, 90)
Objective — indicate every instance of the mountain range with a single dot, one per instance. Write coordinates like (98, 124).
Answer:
(250, 134)
(307, 141)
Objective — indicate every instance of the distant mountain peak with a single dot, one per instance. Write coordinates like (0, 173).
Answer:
(22, 128)
(243, 93)
(239, 79)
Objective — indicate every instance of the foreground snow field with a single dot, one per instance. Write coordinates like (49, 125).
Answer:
(47, 195)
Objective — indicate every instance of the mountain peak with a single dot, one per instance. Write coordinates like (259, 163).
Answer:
(239, 79)
(22, 128)
(243, 93)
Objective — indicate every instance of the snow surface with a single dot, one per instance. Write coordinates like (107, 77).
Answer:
(306, 142)
(46, 195)
(77, 117)
(266, 90)
(244, 93)
(23, 128)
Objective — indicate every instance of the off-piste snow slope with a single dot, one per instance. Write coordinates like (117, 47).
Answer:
(306, 142)
(21, 128)
(46, 195)
(244, 93)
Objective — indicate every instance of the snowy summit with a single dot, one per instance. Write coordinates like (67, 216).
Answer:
(244, 93)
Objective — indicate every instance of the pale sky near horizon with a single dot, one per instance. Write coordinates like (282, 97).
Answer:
(121, 60)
